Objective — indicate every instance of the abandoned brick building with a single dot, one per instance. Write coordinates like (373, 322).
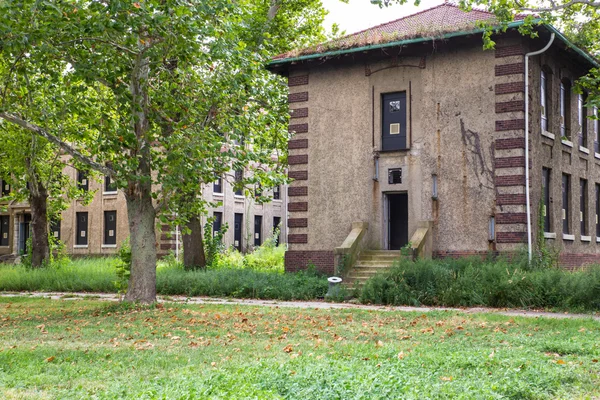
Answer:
(100, 227)
(411, 132)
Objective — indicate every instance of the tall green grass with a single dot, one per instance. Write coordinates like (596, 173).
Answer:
(81, 275)
(477, 282)
(100, 275)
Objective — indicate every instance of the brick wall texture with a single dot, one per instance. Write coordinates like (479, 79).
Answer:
(511, 218)
(297, 97)
(298, 260)
(510, 143)
(298, 128)
(510, 124)
(507, 51)
(299, 113)
(298, 80)
(510, 106)
(297, 191)
(298, 159)
(510, 199)
(511, 87)
(298, 144)
(298, 206)
(510, 69)
(509, 162)
(298, 175)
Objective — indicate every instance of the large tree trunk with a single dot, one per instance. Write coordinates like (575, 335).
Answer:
(140, 207)
(40, 246)
(193, 247)
(141, 213)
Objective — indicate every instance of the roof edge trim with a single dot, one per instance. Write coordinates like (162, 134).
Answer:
(574, 47)
(449, 35)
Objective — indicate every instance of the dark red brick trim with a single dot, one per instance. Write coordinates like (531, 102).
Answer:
(510, 199)
(507, 51)
(298, 206)
(510, 106)
(509, 162)
(576, 260)
(511, 218)
(298, 260)
(298, 144)
(510, 143)
(297, 191)
(298, 159)
(297, 97)
(510, 124)
(510, 180)
(298, 175)
(167, 236)
(510, 69)
(298, 222)
(298, 80)
(511, 87)
(298, 238)
(510, 237)
(167, 246)
(462, 253)
(298, 128)
(299, 113)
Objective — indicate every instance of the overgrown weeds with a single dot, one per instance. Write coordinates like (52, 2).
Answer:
(491, 283)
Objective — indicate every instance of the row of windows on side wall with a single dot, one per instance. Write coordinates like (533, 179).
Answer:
(237, 228)
(567, 206)
(218, 187)
(586, 124)
(83, 183)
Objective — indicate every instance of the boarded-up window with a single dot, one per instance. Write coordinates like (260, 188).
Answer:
(110, 227)
(393, 119)
(4, 230)
(81, 237)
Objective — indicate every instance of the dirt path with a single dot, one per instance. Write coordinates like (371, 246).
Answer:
(305, 304)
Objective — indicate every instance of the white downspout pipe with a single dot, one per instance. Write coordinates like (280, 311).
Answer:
(527, 196)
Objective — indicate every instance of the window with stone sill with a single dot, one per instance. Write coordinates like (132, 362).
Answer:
(582, 120)
(545, 96)
(566, 203)
(565, 109)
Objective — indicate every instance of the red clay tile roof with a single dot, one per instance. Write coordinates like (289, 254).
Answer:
(433, 22)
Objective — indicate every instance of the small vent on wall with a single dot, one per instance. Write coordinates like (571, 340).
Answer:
(394, 176)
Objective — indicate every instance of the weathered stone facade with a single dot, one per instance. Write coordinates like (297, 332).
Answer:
(465, 135)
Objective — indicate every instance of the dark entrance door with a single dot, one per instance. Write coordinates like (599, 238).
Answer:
(24, 233)
(397, 220)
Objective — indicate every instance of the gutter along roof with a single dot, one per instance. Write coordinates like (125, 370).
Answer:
(438, 23)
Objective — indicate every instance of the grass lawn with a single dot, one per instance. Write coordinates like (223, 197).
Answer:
(83, 349)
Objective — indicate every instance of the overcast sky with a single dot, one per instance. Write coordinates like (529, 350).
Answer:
(361, 14)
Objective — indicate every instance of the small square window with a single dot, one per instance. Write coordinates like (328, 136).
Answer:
(394, 106)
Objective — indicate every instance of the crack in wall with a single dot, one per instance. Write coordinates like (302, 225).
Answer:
(472, 143)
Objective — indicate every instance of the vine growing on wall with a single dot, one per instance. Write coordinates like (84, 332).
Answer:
(545, 256)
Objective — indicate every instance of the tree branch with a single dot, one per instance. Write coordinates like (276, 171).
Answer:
(55, 140)
(102, 40)
(558, 7)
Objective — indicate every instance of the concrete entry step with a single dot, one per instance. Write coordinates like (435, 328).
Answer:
(369, 263)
